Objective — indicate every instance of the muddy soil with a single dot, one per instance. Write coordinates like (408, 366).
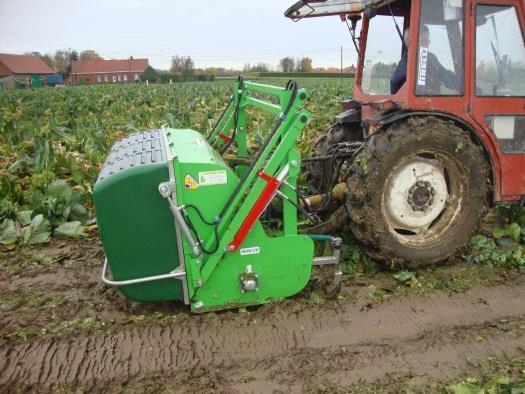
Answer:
(62, 330)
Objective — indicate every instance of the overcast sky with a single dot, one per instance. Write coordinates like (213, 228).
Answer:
(225, 33)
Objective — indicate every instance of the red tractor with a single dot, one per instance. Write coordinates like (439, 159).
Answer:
(435, 131)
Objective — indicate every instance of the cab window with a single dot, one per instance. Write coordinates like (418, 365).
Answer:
(500, 52)
(440, 49)
(383, 54)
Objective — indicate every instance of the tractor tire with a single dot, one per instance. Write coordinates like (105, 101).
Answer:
(319, 172)
(417, 191)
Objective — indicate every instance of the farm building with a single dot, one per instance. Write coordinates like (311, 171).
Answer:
(18, 70)
(107, 71)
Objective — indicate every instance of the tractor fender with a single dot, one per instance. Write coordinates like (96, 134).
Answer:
(400, 115)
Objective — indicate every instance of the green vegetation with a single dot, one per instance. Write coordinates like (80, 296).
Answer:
(500, 379)
(53, 142)
(502, 242)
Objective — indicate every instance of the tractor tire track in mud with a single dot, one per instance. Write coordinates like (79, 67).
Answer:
(275, 348)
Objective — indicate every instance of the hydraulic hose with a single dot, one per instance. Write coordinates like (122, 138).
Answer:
(215, 225)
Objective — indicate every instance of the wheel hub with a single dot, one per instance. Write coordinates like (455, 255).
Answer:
(420, 196)
(415, 195)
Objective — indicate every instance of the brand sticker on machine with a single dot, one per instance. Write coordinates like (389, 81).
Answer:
(422, 66)
(208, 178)
(248, 251)
(190, 183)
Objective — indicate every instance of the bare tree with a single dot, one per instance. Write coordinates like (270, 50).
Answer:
(305, 65)
(287, 64)
(261, 67)
(48, 59)
(90, 54)
(183, 66)
(61, 61)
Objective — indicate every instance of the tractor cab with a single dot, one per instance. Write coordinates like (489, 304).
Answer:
(394, 54)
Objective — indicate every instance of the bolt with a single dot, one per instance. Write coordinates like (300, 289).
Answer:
(199, 283)
(230, 248)
(293, 163)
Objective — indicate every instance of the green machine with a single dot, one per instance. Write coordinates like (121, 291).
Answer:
(179, 223)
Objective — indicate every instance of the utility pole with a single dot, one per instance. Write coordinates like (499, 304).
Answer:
(341, 59)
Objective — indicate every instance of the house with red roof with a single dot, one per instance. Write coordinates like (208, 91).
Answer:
(23, 68)
(107, 71)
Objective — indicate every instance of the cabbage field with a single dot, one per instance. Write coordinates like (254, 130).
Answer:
(455, 328)
(53, 142)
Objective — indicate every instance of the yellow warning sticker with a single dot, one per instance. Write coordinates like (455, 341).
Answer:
(190, 183)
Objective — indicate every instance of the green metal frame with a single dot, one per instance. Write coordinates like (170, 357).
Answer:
(278, 152)
(199, 237)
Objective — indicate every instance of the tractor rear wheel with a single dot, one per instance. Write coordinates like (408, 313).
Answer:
(418, 191)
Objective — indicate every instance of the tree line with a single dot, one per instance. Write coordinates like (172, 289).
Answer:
(182, 68)
(61, 60)
(286, 64)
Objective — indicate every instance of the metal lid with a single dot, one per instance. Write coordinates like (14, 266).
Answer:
(315, 8)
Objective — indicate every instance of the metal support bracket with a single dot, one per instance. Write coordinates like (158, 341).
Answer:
(165, 190)
(336, 243)
(177, 273)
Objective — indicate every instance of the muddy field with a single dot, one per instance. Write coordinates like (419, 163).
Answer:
(62, 330)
